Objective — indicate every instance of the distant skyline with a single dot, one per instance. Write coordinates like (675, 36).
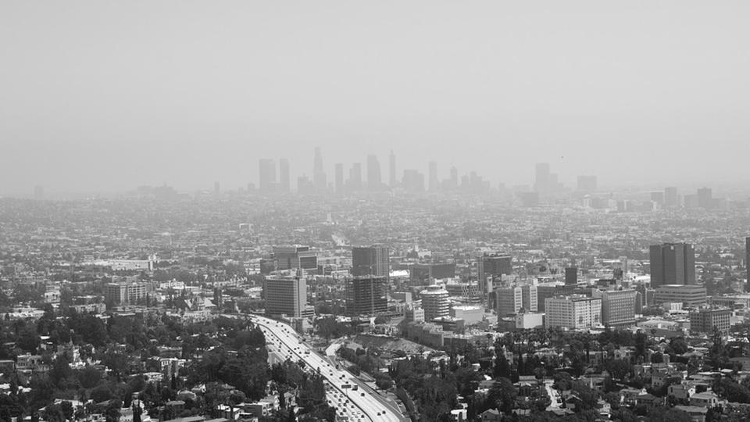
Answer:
(104, 97)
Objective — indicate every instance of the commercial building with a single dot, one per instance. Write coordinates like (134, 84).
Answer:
(529, 320)
(284, 180)
(285, 295)
(125, 293)
(571, 275)
(547, 290)
(618, 306)
(530, 298)
(267, 176)
(295, 257)
(573, 312)
(672, 263)
(747, 264)
(492, 266)
(423, 273)
(366, 295)
(704, 320)
(470, 314)
(370, 260)
(434, 302)
(509, 300)
(690, 295)
(374, 181)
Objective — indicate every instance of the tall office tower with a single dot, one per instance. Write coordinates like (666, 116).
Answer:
(705, 198)
(492, 265)
(670, 197)
(657, 198)
(433, 184)
(542, 178)
(530, 298)
(618, 306)
(413, 181)
(571, 276)
(454, 178)
(339, 178)
(319, 175)
(509, 300)
(284, 183)
(355, 177)
(285, 295)
(672, 263)
(38, 192)
(392, 169)
(267, 179)
(434, 302)
(374, 181)
(371, 260)
(586, 183)
(573, 312)
(217, 188)
(747, 263)
(296, 256)
(366, 295)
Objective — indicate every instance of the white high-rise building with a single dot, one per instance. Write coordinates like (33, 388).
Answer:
(573, 312)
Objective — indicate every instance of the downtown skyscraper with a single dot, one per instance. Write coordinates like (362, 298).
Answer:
(374, 181)
(672, 263)
(319, 175)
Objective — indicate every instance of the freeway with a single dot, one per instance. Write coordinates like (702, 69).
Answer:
(357, 405)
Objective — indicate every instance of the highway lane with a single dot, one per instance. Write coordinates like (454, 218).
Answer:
(358, 404)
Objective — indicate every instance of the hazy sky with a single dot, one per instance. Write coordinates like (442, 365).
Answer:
(107, 96)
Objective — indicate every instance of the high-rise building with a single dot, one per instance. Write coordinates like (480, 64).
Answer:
(285, 295)
(339, 178)
(370, 260)
(571, 275)
(542, 178)
(657, 198)
(705, 320)
(392, 169)
(492, 265)
(672, 263)
(284, 183)
(747, 263)
(454, 178)
(573, 312)
(291, 257)
(587, 183)
(434, 302)
(217, 188)
(618, 306)
(705, 198)
(374, 181)
(366, 295)
(413, 181)
(355, 177)
(267, 179)
(319, 175)
(530, 298)
(38, 192)
(433, 183)
(509, 300)
(670, 197)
